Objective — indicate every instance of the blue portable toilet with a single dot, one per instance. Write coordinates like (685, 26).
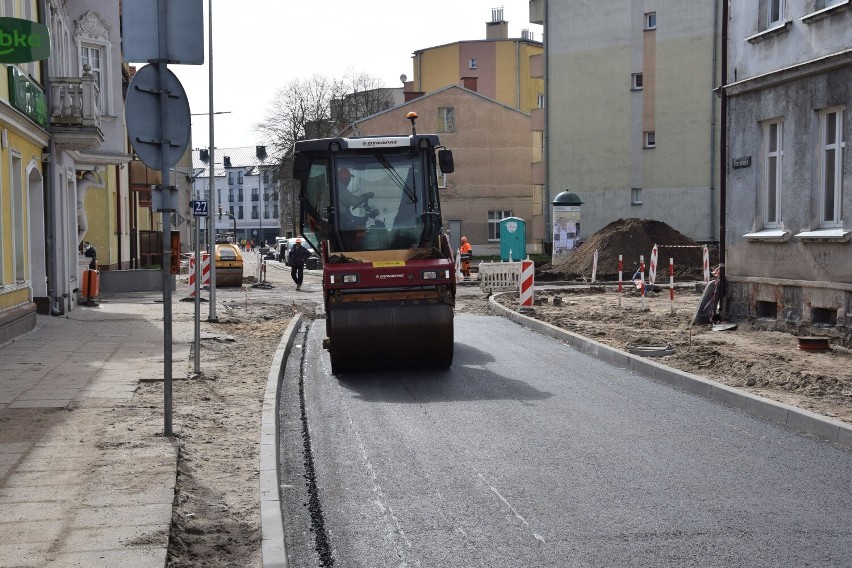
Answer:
(513, 239)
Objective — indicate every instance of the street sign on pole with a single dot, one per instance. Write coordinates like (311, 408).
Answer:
(199, 208)
(142, 112)
(184, 32)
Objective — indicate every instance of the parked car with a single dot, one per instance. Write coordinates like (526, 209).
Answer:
(229, 265)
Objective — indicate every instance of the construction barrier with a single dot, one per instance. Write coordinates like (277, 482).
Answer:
(595, 266)
(205, 272)
(527, 283)
(706, 258)
(620, 268)
(499, 276)
(652, 270)
(671, 283)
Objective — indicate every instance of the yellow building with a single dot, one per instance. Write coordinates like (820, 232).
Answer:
(23, 137)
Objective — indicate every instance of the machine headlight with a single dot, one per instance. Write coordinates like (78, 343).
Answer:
(350, 278)
(430, 275)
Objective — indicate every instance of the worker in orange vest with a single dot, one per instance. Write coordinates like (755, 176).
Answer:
(465, 255)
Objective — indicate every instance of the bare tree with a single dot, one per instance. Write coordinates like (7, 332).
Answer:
(318, 107)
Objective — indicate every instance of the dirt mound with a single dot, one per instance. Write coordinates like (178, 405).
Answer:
(631, 238)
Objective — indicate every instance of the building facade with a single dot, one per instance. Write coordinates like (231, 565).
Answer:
(492, 151)
(247, 194)
(630, 117)
(501, 70)
(23, 139)
(789, 166)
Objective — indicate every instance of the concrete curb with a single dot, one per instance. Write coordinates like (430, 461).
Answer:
(793, 417)
(273, 548)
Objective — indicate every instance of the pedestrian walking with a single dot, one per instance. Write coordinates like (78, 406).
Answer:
(297, 257)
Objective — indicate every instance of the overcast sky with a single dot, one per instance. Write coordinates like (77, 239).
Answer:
(259, 46)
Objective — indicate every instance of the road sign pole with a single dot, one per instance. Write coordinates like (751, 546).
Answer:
(164, 94)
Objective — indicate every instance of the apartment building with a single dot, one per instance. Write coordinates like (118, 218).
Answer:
(631, 118)
(789, 164)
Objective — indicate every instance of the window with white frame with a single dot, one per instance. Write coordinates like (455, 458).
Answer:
(772, 157)
(540, 100)
(651, 21)
(650, 139)
(471, 63)
(831, 167)
(494, 218)
(92, 38)
(446, 119)
(635, 196)
(774, 12)
(636, 81)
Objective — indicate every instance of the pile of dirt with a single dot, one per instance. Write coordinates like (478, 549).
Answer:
(632, 238)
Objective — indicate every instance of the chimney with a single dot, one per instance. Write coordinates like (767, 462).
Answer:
(497, 28)
(469, 83)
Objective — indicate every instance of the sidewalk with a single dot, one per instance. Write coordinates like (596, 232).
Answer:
(74, 490)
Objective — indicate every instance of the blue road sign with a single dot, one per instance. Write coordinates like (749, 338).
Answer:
(199, 208)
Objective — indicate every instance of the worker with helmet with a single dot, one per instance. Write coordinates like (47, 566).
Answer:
(465, 255)
(296, 258)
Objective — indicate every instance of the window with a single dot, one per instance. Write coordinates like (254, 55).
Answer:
(231, 209)
(831, 163)
(255, 212)
(540, 100)
(240, 195)
(231, 178)
(266, 211)
(446, 119)
(651, 21)
(254, 194)
(772, 148)
(240, 177)
(471, 63)
(241, 215)
(231, 196)
(636, 196)
(494, 218)
(636, 81)
(774, 12)
(650, 139)
(91, 55)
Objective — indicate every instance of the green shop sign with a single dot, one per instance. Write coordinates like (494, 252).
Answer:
(27, 97)
(22, 41)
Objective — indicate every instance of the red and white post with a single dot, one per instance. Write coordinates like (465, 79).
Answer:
(642, 278)
(671, 283)
(527, 283)
(652, 271)
(705, 254)
(595, 266)
(620, 289)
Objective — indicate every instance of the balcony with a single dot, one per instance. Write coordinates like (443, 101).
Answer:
(75, 116)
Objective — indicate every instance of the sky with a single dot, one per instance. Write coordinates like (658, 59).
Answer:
(259, 46)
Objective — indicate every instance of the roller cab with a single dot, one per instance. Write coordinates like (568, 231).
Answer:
(371, 206)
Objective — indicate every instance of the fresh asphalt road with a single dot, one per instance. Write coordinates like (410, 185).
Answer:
(528, 453)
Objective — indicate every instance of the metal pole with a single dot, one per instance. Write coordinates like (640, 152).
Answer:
(211, 223)
(198, 273)
(166, 205)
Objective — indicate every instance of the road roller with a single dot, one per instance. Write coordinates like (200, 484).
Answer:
(371, 206)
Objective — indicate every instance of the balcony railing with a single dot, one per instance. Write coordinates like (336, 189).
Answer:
(75, 116)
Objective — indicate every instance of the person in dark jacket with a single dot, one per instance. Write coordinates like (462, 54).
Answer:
(296, 258)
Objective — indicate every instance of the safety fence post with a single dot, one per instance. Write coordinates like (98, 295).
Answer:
(671, 283)
(620, 267)
(527, 283)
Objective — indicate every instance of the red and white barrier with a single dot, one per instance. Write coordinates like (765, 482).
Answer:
(641, 283)
(205, 273)
(652, 271)
(527, 285)
(671, 283)
(705, 253)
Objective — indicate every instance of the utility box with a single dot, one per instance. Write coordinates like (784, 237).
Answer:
(513, 239)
